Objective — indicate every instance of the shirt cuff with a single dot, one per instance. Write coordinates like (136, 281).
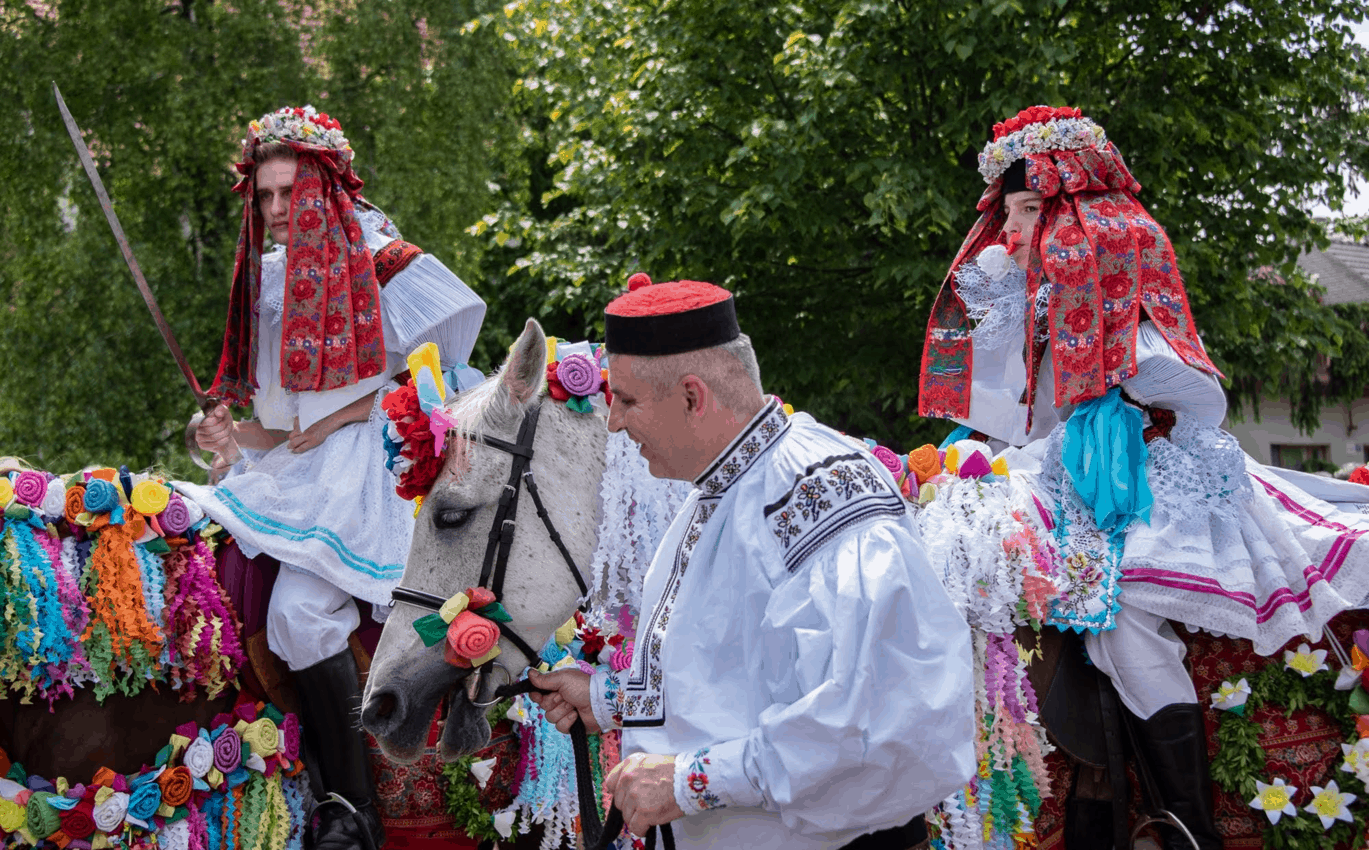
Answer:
(713, 778)
(606, 699)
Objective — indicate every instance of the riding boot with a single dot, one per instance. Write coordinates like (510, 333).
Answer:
(1173, 743)
(330, 700)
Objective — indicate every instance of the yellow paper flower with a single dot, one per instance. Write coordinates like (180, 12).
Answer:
(150, 497)
(1305, 660)
(566, 633)
(551, 350)
(1274, 800)
(1356, 759)
(952, 460)
(11, 816)
(1231, 695)
(1000, 467)
(6, 492)
(262, 736)
(1330, 805)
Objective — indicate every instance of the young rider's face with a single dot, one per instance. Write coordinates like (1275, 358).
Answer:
(275, 180)
(1024, 210)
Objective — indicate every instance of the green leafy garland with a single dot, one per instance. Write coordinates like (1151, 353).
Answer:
(1240, 759)
(462, 794)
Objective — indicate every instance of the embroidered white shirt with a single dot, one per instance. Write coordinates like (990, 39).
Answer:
(796, 651)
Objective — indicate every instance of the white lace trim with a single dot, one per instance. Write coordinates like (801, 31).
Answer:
(998, 307)
(637, 508)
(1195, 474)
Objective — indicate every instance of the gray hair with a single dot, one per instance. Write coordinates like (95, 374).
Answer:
(726, 368)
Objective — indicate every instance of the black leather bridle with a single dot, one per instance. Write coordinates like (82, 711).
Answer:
(492, 572)
(496, 563)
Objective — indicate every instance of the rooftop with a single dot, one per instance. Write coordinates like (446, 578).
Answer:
(1342, 269)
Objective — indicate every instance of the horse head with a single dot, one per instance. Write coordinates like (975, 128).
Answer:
(408, 680)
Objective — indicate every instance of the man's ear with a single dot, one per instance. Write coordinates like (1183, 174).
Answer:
(698, 398)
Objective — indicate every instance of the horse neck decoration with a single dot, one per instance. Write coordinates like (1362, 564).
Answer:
(408, 680)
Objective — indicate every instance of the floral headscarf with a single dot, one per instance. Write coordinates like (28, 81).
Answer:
(332, 335)
(1104, 256)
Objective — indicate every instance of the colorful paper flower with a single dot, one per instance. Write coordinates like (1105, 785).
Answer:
(1305, 661)
(199, 758)
(30, 488)
(227, 751)
(1356, 759)
(110, 812)
(1231, 696)
(1274, 800)
(1329, 804)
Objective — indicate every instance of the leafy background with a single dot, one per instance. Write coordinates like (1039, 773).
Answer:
(818, 158)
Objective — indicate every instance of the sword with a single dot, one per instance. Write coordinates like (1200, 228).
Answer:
(205, 401)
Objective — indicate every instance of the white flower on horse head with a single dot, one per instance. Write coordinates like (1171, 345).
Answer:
(1275, 800)
(1330, 804)
(1231, 695)
(482, 771)
(199, 758)
(1305, 661)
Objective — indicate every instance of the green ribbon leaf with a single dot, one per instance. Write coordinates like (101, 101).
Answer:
(431, 629)
(495, 611)
(1359, 700)
(579, 403)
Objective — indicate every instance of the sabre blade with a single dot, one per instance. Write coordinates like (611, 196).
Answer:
(201, 398)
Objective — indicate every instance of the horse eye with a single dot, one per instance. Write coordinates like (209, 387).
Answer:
(451, 517)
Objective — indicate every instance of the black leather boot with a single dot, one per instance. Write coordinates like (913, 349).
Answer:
(1173, 744)
(330, 700)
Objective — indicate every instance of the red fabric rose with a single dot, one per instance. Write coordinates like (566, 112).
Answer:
(303, 290)
(1071, 235)
(1145, 239)
(1163, 316)
(1079, 319)
(298, 361)
(353, 232)
(1113, 358)
(593, 644)
(471, 635)
(1360, 475)
(361, 301)
(554, 388)
(1107, 209)
(79, 822)
(1116, 285)
(335, 324)
(309, 219)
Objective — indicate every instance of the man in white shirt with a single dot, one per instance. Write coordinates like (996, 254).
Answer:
(801, 679)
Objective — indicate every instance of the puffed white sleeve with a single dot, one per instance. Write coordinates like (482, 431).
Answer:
(1164, 380)
(869, 667)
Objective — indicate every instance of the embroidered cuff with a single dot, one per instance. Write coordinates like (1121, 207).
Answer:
(712, 778)
(606, 699)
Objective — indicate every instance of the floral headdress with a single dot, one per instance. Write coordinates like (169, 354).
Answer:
(302, 124)
(333, 336)
(1038, 130)
(1103, 256)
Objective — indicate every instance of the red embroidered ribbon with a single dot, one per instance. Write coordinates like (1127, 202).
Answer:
(332, 335)
(1106, 258)
(392, 259)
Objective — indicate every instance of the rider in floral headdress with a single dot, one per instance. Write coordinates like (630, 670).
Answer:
(1064, 328)
(317, 327)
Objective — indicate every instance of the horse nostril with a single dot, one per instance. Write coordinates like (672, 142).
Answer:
(385, 705)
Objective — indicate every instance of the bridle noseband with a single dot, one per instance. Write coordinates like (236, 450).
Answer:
(496, 563)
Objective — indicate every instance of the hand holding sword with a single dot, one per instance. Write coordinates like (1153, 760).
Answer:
(212, 428)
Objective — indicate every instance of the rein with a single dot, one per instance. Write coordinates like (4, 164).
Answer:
(492, 572)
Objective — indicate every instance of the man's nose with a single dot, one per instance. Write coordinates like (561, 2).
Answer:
(614, 420)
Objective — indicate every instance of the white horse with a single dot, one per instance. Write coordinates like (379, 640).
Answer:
(408, 680)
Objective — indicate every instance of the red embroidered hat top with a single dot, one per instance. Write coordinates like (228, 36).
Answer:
(1107, 261)
(331, 330)
(669, 318)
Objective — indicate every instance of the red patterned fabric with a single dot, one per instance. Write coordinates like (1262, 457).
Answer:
(332, 334)
(392, 259)
(1303, 748)
(412, 802)
(1106, 258)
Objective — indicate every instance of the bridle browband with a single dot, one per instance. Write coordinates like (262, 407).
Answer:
(496, 563)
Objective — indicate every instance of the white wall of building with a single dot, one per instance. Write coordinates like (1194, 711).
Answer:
(1344, 430)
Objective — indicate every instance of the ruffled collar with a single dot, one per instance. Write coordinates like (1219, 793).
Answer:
(764, 429)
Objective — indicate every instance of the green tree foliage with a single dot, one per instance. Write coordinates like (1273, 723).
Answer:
(163, 91)
(818, 157)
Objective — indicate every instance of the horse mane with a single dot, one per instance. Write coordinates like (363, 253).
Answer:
(489, 403)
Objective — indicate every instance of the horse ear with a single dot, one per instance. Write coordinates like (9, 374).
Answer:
(525, 371)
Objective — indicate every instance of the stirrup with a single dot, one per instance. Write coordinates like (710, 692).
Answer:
(367, 840)
(1159, 816)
